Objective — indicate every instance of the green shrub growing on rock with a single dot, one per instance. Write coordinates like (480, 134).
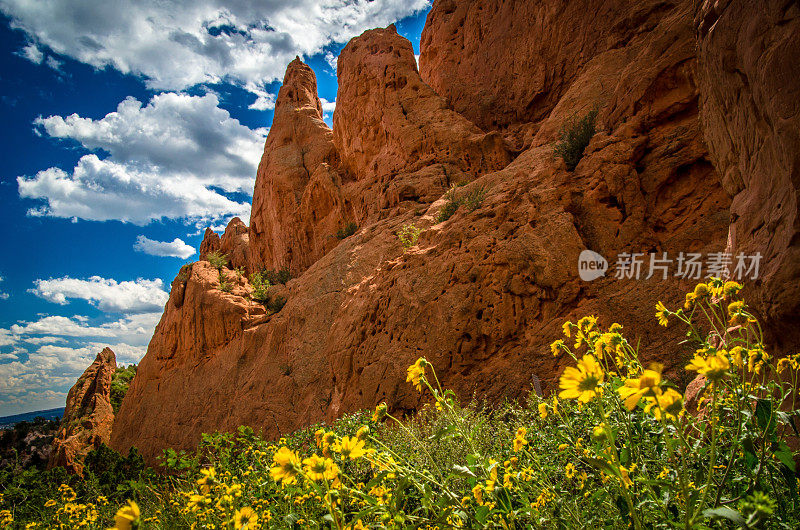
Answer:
(573, 138)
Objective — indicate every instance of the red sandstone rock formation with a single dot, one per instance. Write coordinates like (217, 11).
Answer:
(211, 243)
(395, 135)
(88, 415)
(505, 64)
(297, 202)
(483, 293)
(749, 66)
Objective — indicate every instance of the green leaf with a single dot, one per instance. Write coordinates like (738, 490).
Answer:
(625, 456)
(481, 513)
(784, 454)
(764, 417)
(724, 512)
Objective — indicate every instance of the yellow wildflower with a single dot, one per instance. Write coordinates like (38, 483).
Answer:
(319, 468)
(661, 314)
(713, 367)
(287, 465)
(352, 448)
(245, 519)
(318, 434)
(731, 289)
(127, 517)
(380, 412)
(543, 410)
(701, 291)
(556, 346)
(670, 402)
(569, 470)
(736, 312)
(362, 432)
(519, 439)
(648, 384)
(690, 298)
(416, 374)
(626, 478)
(582, 382)
(736, 357)
(477, 491)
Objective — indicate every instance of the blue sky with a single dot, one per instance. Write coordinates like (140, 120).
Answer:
(125, 137)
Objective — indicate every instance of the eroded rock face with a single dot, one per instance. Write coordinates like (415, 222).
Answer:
(88, 415)
(504, 64)
(297, 201)
(483, 293)
(211, 243)
(395, 135)
(749, 64)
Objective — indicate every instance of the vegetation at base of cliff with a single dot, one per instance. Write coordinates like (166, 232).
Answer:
(408, 235)
(454, 200)
(120, 382)
(260, 287)
(348, 230)
(573, 138)
(277, 276)
(260, 283)
(615, 448)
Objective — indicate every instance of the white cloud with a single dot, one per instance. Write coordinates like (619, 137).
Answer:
(175, 133)
(327, 106)
(176, 248)
(53, 63)
(32, 53)
(264, 100)
(135, 330)
(43, 379)
(43, 340)
(7, 338)
(140, 296)
(332, 61)
(175, 45)
(49, 354)
(3, 296)
(175, 158)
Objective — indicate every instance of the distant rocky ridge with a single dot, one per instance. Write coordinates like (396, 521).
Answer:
(697, 151)
(88, 416)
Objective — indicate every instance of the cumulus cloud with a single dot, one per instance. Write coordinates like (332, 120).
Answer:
(176, 248)
(133, 329)
(7, 338)
(176, 157)
(3, 296)
(175, 45)
(327, 106)
(51, 352)
(140, 296)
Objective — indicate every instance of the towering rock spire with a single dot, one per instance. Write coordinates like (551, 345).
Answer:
(297, 202)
